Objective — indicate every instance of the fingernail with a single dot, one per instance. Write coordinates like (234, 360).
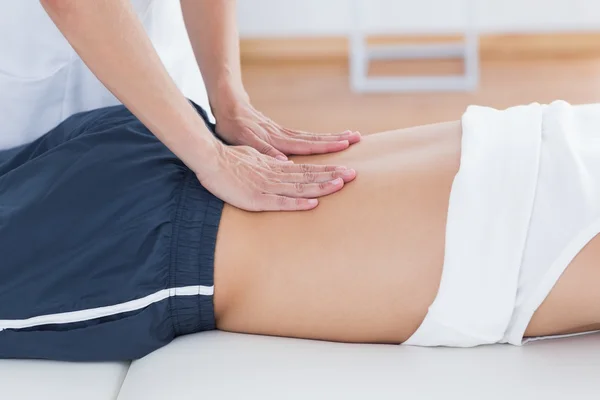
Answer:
(313, 202)
(340, 169)
(281, 158)
(337, 181)
(348, 173)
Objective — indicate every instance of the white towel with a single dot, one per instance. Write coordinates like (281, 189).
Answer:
(525, 201)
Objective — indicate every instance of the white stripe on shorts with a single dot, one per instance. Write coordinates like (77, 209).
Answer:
(106, 311)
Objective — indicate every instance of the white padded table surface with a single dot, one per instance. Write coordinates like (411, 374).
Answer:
(48, 380)
(218, 365)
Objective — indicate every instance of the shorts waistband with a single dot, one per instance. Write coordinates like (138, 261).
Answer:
(196, 224)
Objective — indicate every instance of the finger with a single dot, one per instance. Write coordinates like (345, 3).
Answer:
(316, 177)
(273, 202)
(354, 137)
(314, 137)
(299, 132)
(305, 190)
(292, 168)
(307, 169)
(304, 147)
(351, 137)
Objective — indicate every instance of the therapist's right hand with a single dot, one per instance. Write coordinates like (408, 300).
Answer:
(252, 181)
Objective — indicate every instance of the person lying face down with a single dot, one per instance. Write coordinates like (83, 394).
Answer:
(463, 233)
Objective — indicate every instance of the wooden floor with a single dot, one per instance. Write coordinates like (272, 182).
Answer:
(317, 97)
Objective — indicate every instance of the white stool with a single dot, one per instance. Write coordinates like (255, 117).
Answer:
(361, 54)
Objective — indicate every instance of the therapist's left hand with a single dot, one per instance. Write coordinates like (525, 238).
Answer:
(241, 124)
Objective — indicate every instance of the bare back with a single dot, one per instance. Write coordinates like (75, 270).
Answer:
(366, 264)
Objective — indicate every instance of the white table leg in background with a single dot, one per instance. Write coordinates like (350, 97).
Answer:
(361, 54)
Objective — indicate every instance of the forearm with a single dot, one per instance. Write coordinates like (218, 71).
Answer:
(212, 28)
(111, 40)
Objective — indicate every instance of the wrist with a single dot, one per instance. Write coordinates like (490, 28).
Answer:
(227, 97)
(194, 144)
(205, 159)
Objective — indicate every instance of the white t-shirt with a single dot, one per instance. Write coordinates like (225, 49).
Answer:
(43, 81)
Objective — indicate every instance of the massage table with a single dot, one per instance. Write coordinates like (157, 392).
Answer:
(219, 365)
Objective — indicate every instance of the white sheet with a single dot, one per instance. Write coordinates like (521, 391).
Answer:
(525, 201)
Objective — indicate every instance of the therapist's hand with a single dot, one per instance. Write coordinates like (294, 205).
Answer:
(239, 123)
(247, 179)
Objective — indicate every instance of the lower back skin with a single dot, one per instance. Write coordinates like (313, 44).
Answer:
(365, 265)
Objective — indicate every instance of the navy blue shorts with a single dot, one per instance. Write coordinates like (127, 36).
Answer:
(107, 243)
